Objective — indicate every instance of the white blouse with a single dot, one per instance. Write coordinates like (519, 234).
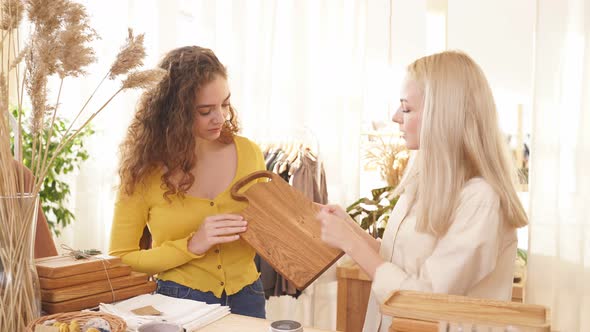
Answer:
(474, 258)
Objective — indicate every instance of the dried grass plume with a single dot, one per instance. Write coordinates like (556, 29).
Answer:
(391, 158)
(46, 14)
(130, 57)
(11, 15)
(75, 54)
(144, 79)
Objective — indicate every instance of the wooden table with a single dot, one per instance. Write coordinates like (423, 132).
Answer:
(354, 288)
(238, 323)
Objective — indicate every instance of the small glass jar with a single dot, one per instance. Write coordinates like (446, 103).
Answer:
(286, 326)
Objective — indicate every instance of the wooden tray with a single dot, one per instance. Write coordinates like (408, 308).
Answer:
(283, 229)
(94, 300)
(63, 266)
(426, 310)
(78, 279)
(91, 288)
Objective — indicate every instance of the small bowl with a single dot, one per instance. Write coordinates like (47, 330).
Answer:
(159, 327)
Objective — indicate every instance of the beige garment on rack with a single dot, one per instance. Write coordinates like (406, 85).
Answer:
(474, 258)
(305, 179)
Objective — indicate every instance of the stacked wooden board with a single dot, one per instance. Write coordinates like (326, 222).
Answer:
(423, 312)
(69, 284)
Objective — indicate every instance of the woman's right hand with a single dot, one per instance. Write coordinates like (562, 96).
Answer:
(216, 229)
(339, 212)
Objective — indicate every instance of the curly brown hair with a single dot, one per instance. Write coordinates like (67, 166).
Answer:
(161, 133)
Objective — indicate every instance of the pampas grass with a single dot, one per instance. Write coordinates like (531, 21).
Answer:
(143, 79)
(12, 13)
(130, 57)
(390, 157)
(57, 49)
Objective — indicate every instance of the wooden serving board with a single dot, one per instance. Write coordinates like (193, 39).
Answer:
(283, 229)
(77, 279)
(91, 288)
(94, 300)
(63, 266)
(419, 311)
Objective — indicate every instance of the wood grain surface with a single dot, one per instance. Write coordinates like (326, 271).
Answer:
(63, 266)
(94, 300)
(412, 325)
(77, 279)
(283, 229)
(92, 288)
(422, 306)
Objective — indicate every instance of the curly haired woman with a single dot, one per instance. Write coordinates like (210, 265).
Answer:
(178, 161)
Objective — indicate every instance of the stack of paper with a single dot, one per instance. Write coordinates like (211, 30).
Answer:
(189, 314)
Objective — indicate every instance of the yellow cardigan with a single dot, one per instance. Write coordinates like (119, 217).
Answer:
(227, 267)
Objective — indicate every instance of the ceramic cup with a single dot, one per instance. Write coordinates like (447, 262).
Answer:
(286, 326)
(159, 327)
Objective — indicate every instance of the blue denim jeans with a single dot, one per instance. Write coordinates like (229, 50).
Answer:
(249, 301)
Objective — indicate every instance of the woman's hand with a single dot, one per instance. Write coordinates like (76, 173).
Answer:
(342, 214)
(216, 229)
(338, 229)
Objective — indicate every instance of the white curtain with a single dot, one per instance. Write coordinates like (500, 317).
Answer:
(294, 65)
(559, 232)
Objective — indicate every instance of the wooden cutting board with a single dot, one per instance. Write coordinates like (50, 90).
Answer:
(63, 266)
(77, 279)
(283, 229)
(419, 311)
(91, 288)
(94, 300)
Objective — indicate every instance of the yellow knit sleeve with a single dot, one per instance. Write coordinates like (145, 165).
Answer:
(130, 217)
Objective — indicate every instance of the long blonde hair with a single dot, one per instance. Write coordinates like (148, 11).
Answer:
(460, 139)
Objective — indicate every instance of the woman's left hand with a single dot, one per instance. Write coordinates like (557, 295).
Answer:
(336, 229)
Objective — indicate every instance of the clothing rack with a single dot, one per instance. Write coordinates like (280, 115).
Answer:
(293, 154)
(300, 140)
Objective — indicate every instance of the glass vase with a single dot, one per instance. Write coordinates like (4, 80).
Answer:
(20, 294)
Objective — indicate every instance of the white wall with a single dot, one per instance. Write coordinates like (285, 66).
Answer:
(499, 35)
(408, 38)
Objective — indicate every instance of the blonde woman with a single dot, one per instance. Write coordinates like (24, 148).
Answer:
(453, 229)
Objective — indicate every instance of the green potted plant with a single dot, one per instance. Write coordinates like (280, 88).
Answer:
(55, 191)
(372, 213)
